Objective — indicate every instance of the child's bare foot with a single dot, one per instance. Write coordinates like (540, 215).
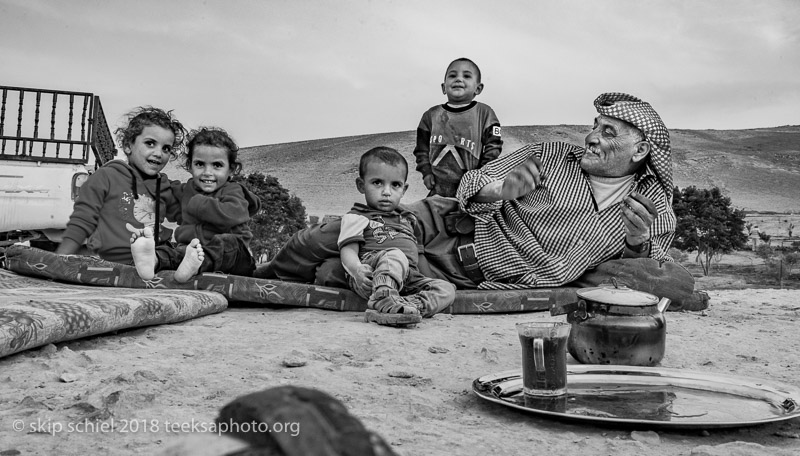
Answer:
(143, 250)
(191, 263)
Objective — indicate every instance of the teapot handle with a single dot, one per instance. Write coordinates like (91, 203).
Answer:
(565, 308)
(663, 304)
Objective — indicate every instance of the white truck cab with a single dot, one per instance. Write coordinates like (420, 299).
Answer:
(45, 141)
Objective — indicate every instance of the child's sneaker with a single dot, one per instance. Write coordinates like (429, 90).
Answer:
(396, 320)
(388, 300)
(387, 307)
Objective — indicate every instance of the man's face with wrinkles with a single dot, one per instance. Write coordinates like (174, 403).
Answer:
(610, 148)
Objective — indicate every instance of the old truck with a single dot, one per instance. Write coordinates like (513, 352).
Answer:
(50, 141)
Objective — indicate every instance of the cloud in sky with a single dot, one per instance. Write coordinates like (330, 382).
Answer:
(275, 71)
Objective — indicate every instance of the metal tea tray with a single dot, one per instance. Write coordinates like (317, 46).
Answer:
(652, 396)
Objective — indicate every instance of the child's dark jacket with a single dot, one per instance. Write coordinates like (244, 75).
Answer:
(226, 210)
(114, 196)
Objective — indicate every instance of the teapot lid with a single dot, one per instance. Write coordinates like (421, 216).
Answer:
(618, 295)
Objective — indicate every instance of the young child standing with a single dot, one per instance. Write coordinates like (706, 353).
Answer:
(122, 198)
(213, 234)
(458, 136)
(379, 250)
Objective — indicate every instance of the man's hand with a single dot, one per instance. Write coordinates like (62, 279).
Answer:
(638, 213)
(429, 181)
(363, 279)
(522, 179)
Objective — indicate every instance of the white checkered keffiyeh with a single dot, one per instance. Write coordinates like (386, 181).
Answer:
(641, 115)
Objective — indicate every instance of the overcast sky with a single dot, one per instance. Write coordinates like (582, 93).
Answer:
(274, 71)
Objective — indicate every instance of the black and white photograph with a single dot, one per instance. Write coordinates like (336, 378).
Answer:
(396, 228)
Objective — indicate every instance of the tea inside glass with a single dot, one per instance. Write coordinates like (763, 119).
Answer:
(544, 357)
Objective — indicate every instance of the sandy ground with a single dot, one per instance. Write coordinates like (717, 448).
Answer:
(412, 386)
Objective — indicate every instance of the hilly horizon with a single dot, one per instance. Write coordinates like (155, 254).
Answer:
(758, 169)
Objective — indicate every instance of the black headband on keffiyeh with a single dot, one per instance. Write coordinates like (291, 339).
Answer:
(642, 116)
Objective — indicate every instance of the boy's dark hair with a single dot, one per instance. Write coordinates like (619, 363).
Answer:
(464, 59)
(146, 116)
(381, 153)
(215, 137)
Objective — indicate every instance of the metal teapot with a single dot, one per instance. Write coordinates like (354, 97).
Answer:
(616, 325)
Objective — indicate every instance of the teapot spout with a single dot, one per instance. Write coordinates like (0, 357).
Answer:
(663, 304)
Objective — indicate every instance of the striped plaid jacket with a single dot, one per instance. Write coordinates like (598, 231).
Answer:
(552, 235)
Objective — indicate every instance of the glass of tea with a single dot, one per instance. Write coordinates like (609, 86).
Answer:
(544, 357)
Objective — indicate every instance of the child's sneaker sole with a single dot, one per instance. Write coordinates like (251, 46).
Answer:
(400, 320)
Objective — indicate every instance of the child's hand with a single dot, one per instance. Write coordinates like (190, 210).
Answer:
(363, 279)
(429, 181)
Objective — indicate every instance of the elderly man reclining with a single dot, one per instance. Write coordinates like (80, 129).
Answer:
(546, 215)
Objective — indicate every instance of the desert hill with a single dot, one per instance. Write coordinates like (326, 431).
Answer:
(759, 169)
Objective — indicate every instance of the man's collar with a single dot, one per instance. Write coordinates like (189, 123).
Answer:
(575, 153)
(648, 172)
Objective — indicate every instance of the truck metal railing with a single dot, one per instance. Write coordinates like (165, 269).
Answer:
(53, 126)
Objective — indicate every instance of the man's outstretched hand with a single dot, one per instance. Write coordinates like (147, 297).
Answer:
(522, 179)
